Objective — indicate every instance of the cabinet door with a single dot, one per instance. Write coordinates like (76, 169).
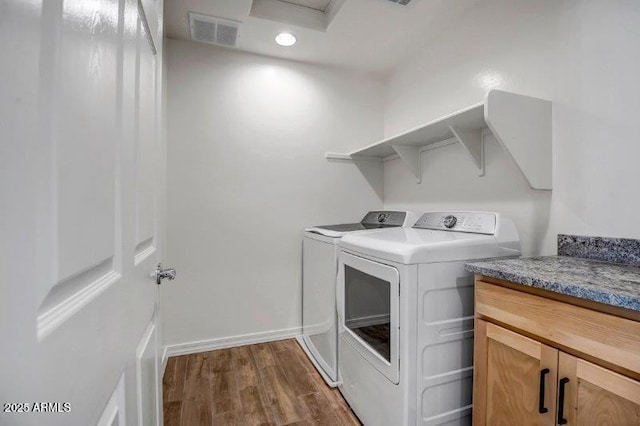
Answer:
(514, 378)
(594, 395)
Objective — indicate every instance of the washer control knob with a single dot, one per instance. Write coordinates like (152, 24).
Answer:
(450, 221)
(382, 217)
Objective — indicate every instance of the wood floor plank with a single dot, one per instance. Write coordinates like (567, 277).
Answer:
(197, 366)
(197, 384)
(281, 396)
(229, 419)
(298, 376)
(225, 396)
(220, 361)
(281, 345)
(263, 384)
(174, 378)
(263, 355)
(196, 413)
(346, 417)
(254, 410)
(171, 413)
(332, 395)
(169, 379)
(244, 367)
(318, 413)
(197, 390)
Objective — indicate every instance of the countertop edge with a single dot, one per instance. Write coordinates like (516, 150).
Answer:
(567, 289)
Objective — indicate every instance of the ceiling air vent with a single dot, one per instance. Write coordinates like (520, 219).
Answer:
(209, 29)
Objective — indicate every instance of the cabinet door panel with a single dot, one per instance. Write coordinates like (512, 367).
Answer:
(597, 396)
(509, 378)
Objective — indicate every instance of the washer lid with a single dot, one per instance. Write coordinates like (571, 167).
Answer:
(414, 245)
(372, 220)
(335, 231)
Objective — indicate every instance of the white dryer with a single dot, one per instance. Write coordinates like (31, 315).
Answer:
(320, 265)
(405, 309)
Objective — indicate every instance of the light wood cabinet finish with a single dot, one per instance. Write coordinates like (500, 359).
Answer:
(518, 335)
(574, 329)
(597, 396)
(511, 369)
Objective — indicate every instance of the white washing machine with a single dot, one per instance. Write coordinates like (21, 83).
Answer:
(405, 315)
(320, 265)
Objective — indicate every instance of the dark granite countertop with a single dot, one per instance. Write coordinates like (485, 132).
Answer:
(613, 284)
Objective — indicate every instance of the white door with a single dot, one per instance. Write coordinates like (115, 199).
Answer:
(369, 311)
(82, 185)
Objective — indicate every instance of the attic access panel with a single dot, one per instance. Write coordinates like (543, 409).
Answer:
(320, 5)
(312, 14)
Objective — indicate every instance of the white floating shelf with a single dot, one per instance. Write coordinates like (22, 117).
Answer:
(521, 124)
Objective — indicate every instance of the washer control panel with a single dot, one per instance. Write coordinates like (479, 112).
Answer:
(384, 218)
(473, 222)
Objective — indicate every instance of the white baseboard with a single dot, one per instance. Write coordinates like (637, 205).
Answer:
(229, 342)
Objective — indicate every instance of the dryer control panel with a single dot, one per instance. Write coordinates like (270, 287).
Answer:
(473, 222)
(384, 218)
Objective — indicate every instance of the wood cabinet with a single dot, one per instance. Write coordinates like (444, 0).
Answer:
(596, 395)
(529, 372)
(519, 376)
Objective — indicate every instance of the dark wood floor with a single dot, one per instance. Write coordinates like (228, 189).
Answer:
(265, 384)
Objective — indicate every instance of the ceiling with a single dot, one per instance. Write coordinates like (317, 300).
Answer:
(366, 35)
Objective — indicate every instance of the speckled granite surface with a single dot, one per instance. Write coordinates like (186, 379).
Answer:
(618, 250)
(610, 283)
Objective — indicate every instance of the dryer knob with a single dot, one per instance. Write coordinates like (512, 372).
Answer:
(450, 221)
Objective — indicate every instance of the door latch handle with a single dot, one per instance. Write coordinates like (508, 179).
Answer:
(541, 408)
(159, 274)
(563, 383)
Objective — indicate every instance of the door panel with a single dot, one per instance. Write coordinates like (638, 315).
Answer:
(76, 300)
(369, 311)
(509, 378)
(114, 413)
(146, 147)
(597, 396)
(147, 376)
(79, 128)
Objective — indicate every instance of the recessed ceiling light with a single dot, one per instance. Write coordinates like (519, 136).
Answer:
(286, 39)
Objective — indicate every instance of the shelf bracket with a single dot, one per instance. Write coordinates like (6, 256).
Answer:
(523, 126)
(473, 143)
(410, 155)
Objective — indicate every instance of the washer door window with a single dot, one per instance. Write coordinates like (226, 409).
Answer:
(371, 311)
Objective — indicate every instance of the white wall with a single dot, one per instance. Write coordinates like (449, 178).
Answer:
(246, 172)
(582, 55)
